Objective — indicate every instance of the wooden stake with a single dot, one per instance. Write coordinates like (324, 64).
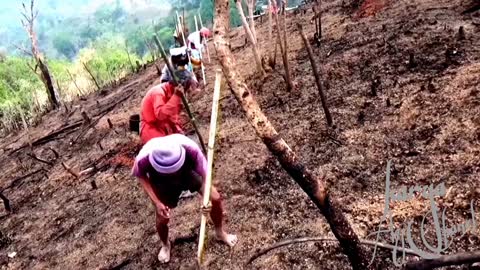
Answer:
(184, 99)
(211, 151)
(323, 99)
(314, 186)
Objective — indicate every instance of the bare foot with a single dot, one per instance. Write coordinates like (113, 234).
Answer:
(228, 239)
(164, 254)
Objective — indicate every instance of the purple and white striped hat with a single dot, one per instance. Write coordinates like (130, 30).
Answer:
(167, 159)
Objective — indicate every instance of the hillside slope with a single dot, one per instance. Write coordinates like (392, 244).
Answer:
(425, 118)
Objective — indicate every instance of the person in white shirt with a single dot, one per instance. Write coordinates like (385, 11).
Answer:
(195, 39)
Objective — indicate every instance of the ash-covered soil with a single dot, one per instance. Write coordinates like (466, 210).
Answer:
(425, 118)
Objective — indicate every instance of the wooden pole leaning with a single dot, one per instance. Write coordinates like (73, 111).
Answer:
(200, 51)
(208, 179)
(205, 40)
(180, 22)
(184, 99)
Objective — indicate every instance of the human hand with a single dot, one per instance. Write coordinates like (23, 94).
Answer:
(163, 210)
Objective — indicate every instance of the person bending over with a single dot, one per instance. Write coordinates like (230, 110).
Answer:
(165, 167)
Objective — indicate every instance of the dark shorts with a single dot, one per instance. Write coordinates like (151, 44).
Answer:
(169, 190)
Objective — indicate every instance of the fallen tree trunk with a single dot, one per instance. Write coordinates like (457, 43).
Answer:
(312, 185)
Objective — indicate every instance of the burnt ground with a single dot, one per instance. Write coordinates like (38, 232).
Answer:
(425, 118)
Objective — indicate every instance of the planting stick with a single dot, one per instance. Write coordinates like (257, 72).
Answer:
(201, 57)
(211, 150)
(184, 99)
(205, 40)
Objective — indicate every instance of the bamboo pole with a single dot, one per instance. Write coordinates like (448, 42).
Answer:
(323, 99)
(201, 56)
(205, 40)
(184, 99)
(211, 151)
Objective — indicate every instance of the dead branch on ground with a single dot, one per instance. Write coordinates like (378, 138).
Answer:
(323, 99)
(103, 113)
(327, 239)
(18, 179)
(311, 184)
(51, 136)
(39, 159)
(70, 170)
(447, 260)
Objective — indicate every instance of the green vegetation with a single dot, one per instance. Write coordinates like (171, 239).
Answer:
(95, 33)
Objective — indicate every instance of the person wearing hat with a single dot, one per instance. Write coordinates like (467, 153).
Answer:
(161, 112)
(165, 167)
(195, 39)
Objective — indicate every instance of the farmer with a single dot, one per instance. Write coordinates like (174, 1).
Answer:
(181, 31)
(196, 38)
(195, 45)
(161, 110)
(179, 60)
(165, 167)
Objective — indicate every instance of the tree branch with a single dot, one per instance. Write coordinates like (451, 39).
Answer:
(327, 239)
(447, 260)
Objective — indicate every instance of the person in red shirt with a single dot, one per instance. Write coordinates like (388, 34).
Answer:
(160, 112)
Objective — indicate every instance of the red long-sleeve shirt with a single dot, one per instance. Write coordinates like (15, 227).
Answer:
(161, 113)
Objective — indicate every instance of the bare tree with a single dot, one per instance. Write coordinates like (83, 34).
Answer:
(256, 54)
(323, 99)
(29, 16)
(251, 10)
(311, 184)
(283, 51)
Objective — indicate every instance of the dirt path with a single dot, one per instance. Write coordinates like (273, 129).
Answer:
(425, 118)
